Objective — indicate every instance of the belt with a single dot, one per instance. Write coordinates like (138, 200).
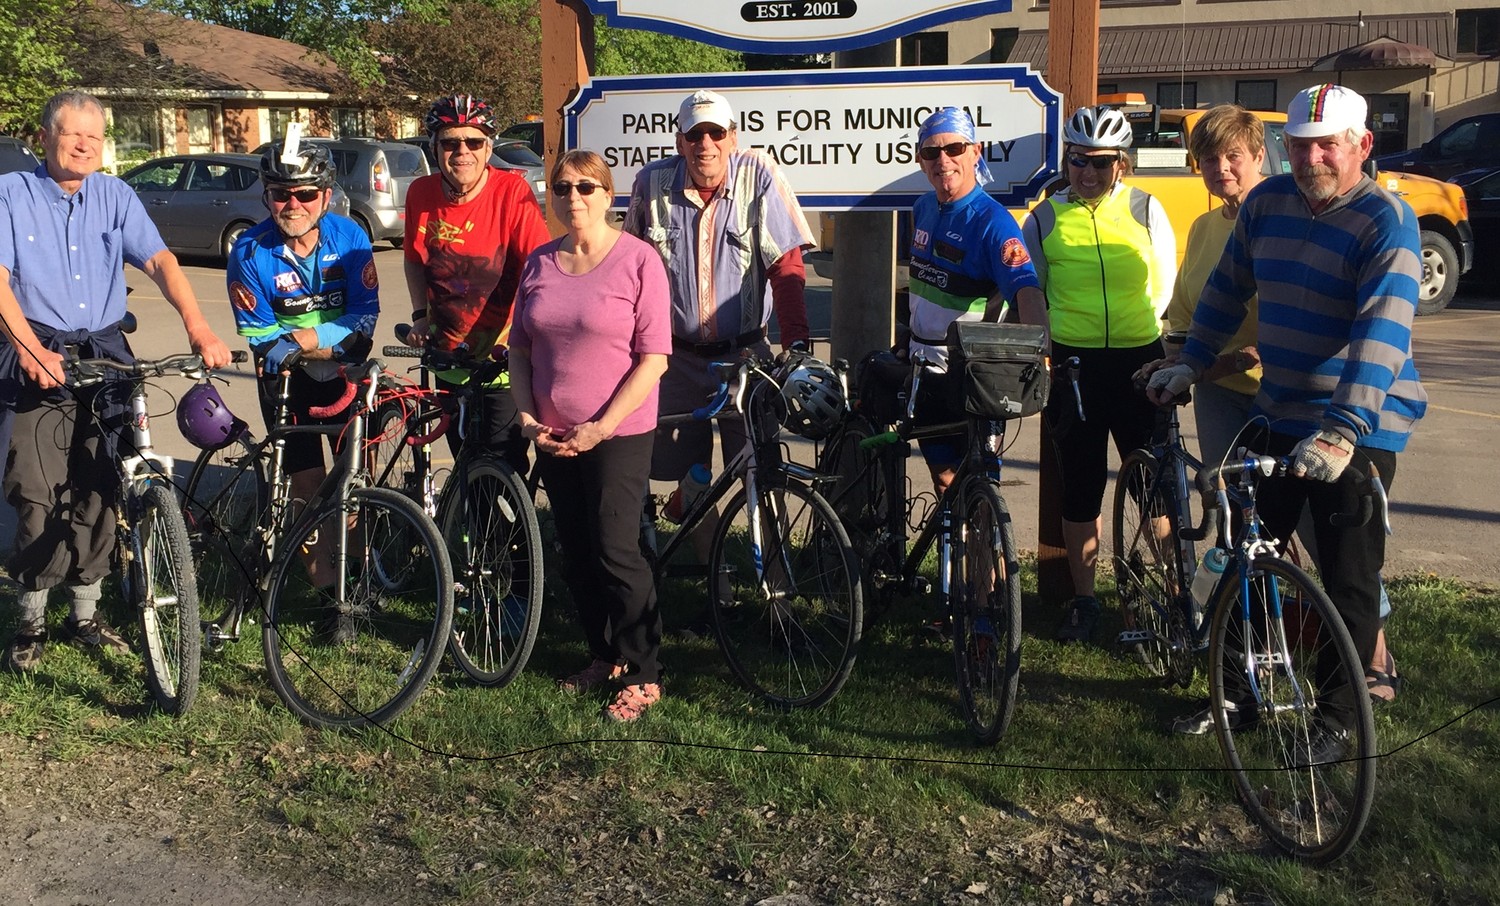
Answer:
(721, 346)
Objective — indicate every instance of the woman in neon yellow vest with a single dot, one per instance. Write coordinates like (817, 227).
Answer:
(1107, 259)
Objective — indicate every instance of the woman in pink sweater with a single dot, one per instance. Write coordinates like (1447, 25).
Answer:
(589, 343)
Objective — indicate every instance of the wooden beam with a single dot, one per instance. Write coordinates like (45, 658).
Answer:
(567, 58)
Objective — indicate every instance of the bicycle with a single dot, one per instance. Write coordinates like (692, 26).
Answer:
(345, 650)
(978, 568)
(484, 510)
(1267, 627)
(156, 562)
(784, 589)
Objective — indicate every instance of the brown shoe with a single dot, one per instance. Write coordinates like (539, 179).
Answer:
(24, 653)
(596, 674)
(94, 635)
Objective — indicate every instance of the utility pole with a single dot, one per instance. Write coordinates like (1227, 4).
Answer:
(567, 58)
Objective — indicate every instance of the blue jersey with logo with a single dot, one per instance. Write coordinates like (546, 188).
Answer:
(334, 291)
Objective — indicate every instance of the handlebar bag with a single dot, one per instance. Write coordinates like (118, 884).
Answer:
(1003, 367)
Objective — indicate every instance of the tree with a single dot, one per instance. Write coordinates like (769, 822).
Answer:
(626, 51)
(37, 43)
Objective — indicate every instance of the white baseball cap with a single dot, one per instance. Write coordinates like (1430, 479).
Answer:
(704, 107)
(1324, 110)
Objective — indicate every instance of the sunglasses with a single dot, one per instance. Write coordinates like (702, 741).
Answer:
(564, 189)
(952, 149)
(716, 133)
(450, 145)
(306, 196)
(1097, 161)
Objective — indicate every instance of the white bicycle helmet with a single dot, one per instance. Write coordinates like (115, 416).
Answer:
(814, 398)
(1098, 127)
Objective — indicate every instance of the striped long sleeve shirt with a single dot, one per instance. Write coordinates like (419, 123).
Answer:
(1338, 291)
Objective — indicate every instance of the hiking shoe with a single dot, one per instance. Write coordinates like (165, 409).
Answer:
(1202, 720)
(1078, 626)
(337, 629)
(1324, 744)
(94, 635)
(24, 653)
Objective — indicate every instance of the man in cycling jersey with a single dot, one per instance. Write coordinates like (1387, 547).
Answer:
(967, 259)
(1336, 260)
(302, 282)
(66, 233)
(469, 229)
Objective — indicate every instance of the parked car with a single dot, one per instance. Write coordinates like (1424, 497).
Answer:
(507, 155)
(1482, 189)
(528, 131)
(375, 173)
(201, 203)
(1472, 142)
(16, 155)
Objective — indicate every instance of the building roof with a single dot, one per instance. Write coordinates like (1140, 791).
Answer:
(214, 58)
(1210, 47)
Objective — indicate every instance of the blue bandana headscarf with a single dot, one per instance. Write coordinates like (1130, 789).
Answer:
(956, 121)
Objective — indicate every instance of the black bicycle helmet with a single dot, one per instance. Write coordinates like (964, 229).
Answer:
(460, 110)
(313, 167)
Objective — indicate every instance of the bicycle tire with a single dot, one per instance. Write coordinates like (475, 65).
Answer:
(399, 623)
(226, 494)
(495, 547)
(1147, 571)
(793, 639)
(166, 599)
(391, 461)
(860, 497)
(985, 604)
(1313, 812)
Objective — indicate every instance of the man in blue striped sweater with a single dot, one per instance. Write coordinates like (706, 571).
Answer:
(1336, 261)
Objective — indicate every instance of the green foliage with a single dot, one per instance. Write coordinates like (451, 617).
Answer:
(624, 51)
(36, 47)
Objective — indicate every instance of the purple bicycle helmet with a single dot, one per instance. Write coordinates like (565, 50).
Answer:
(204, 419)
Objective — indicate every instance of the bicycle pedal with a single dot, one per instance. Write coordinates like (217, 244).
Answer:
(1135, 637)
(921, 586)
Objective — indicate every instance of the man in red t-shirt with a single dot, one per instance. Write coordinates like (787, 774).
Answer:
(469, 230)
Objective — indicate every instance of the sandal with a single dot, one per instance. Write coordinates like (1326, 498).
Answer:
(596, 674)
(1383, 685)
(632, 702)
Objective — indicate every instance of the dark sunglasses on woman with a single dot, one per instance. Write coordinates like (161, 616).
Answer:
(562, 189)
(1097, 161)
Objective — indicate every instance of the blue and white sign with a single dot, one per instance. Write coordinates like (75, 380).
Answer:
(846, 138)
(792, 26)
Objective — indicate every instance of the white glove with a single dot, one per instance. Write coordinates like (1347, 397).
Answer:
(1312, 460)
(1172, 381)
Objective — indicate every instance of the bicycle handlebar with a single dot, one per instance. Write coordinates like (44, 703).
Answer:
(87, 372)
(1214, 492)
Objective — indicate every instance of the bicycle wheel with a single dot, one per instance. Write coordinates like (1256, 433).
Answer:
(1302, 748)
(166, 596)
(389, 458)
(1147, 571)
(360, 658)
(496, 550)
(860, 498)
(226, 493)
(791, 635)
(985, 603)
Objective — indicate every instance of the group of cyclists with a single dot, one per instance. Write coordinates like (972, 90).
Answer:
(610, 329)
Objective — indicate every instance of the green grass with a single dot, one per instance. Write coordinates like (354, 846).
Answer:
(713, 796)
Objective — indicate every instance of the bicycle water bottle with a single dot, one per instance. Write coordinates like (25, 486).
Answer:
(689, 489)
(1215, 559)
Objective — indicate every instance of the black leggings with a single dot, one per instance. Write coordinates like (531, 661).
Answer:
(1112, 408)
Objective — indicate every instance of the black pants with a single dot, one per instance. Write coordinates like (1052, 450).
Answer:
(499, 427)
(596, 502)
(1349, 557)
(64, 488)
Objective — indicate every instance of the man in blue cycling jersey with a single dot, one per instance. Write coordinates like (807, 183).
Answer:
(967, 258)
(303, 282)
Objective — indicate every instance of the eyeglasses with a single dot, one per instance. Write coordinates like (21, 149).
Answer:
(716, 133)
(450, 145)
(952, 149)
(306, 196)
(1097, 161)
(563, 189)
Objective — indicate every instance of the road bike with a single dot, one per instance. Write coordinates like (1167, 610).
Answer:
(782, 579)
(353, 586)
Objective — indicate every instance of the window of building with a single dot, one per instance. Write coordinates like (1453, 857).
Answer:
(1108, 88)
(348, 122)
(278, 120)
(1256, 94)
(1002, 40)
(1177, 94)
(1478, 31)
(137, 133)
(925, 48)
(200, 129)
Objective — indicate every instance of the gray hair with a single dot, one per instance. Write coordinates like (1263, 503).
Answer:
(76, 100)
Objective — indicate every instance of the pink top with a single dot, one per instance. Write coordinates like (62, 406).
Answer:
(583, 331)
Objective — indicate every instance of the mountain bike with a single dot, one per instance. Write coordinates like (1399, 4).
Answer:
(156, 563)
(354, 585)
(783, 582)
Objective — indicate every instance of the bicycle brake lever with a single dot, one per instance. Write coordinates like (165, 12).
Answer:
(1378, 487)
